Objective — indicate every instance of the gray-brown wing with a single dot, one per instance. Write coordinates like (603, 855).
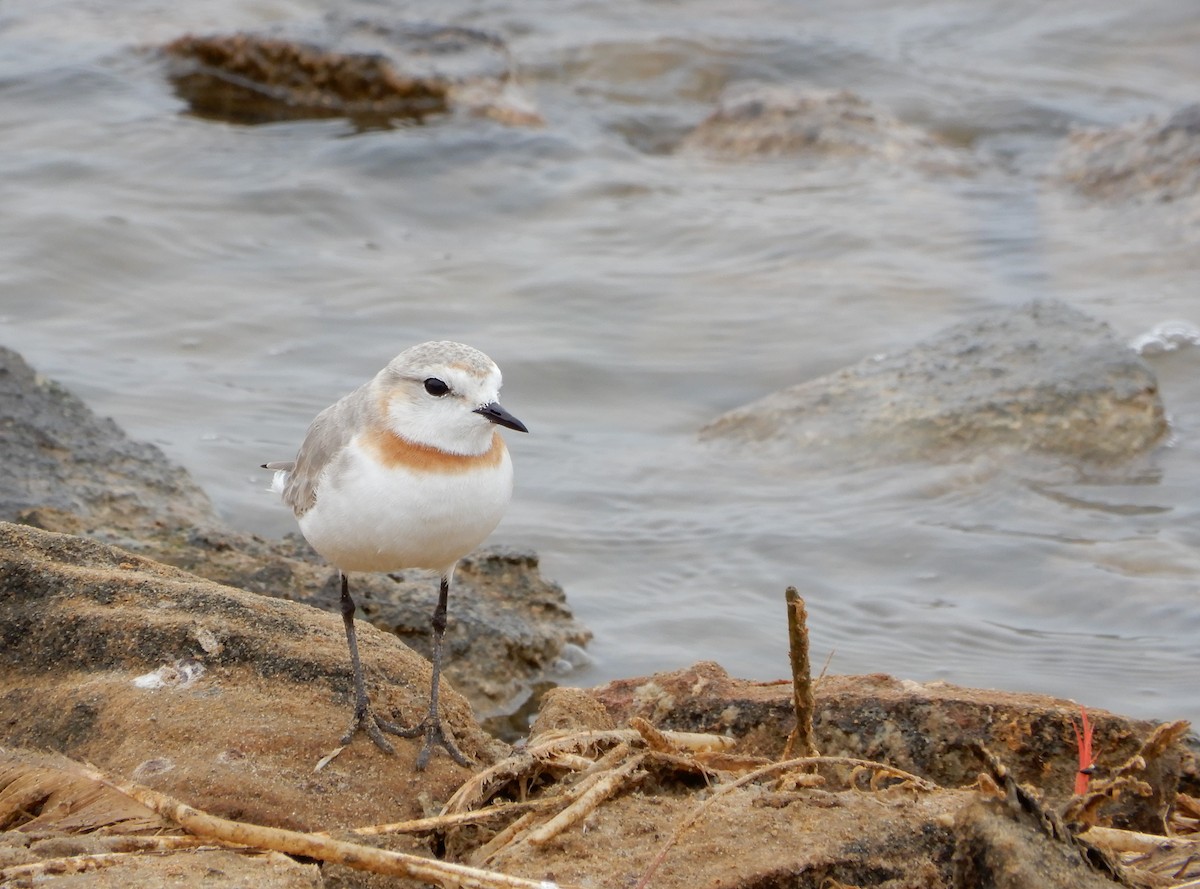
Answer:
(327, 436)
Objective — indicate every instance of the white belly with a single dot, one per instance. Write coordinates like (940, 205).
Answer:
(373, 518)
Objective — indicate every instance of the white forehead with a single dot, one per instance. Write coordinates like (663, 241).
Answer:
(444, 358)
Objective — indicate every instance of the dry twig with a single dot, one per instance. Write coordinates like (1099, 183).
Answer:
(447, 822)
(555, 751)
(322, 848)
(1133, 841)
(801, 737)
(607, 785)
(74, 864)
(606, 777)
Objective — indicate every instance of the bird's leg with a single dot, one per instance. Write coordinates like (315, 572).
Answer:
(431, 726)
(363, 717)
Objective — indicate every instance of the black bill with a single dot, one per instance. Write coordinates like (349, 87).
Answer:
(500, 416)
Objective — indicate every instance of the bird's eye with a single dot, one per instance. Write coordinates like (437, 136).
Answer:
(434, 386)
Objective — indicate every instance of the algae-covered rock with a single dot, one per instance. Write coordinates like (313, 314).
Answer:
(371, 72)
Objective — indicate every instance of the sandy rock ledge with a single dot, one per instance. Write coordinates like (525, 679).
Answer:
(249, 692)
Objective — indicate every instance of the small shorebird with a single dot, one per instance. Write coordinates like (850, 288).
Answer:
(407, 471)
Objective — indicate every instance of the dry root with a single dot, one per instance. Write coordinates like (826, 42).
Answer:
(114, 803)
(560, 780)
(552, 757)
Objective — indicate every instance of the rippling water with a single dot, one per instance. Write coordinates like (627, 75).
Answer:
(213, 286)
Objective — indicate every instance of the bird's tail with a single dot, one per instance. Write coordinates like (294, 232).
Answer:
(283, 471)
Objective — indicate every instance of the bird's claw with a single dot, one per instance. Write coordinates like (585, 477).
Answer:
(430, 728)
(365, 720)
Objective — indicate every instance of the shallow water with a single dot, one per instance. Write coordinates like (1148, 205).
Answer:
(213, 286)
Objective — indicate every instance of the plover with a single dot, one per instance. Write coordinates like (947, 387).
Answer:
(407, 471)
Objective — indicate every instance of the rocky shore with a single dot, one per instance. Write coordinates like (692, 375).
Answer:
(135, 638)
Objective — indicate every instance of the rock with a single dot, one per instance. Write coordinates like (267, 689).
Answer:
(1043, 377)
(508, 627)
(58, 454)
(757, 120)
(1147, 160)
(67, 470)
(226, 699)
(998, 850)
(370, 72)
(570, 710)
(925, 729)
(221, 697)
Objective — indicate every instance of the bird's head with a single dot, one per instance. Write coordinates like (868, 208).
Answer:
(444, 395)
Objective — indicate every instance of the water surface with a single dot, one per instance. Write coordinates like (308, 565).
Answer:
(213, 286)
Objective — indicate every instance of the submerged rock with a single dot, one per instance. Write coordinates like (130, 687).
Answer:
(763, 120)
(1043, 377)
(67, 470)
(373, 73)
(1147, 160)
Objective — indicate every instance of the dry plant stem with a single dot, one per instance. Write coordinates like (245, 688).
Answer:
(774, 768)
(155, 844)
(447, 822)
(802, 686)
(686, 764)
(488, 850)
(577, 741)
(520, 830)
(75, 864)
(476, 789)
(608, 784)
(572, 761)
(655, 738)
(600, 767)
(323, 848)
(1188, 804)
(1131, 841)
(562, 750)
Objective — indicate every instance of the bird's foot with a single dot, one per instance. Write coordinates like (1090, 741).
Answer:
(430, 728)
(365, 720)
